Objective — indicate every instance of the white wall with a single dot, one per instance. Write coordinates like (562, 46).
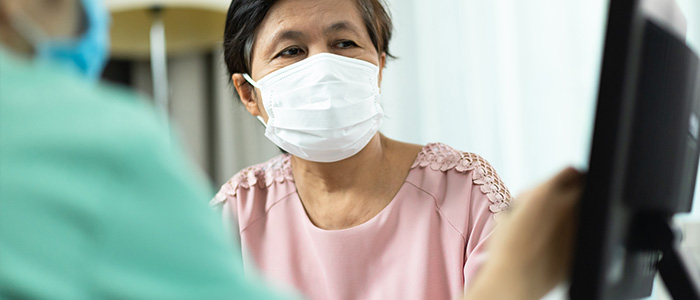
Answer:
(510, 80)
(514, 81)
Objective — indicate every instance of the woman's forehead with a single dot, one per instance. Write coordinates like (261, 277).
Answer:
(311, 16)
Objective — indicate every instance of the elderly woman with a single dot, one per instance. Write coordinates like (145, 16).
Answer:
(348, 213)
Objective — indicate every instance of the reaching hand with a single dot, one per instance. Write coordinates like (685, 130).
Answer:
(531, 249)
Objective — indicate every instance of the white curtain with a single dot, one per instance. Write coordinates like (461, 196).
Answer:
(514, 81)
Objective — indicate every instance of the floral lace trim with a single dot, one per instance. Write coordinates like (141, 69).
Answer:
(441, 157)
(438, 157)
(278, 169)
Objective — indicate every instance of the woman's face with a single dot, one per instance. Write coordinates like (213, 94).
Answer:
(296, 29)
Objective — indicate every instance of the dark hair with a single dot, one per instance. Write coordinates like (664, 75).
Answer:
(244, 17)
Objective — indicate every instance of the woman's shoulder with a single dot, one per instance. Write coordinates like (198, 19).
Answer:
(277, 170)
(437, 159)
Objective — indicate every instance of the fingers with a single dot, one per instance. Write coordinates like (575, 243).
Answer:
(568, 181)
(562, 190)
(568, 178)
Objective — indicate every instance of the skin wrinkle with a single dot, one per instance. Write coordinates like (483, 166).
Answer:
(245, 16)
(305, 37)
(294, 35)
(377, 36)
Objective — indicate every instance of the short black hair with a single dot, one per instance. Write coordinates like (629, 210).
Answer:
(244, 17)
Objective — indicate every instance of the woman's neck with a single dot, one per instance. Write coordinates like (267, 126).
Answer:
(349, 192)
(344, 174)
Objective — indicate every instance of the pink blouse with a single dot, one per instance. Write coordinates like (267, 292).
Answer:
(427, 243)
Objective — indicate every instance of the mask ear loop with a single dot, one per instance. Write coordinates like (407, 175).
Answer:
(260, 118)
(253, 83)
(250, 80)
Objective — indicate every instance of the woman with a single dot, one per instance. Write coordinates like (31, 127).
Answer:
(348, 213)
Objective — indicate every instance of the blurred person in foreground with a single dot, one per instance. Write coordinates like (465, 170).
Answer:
(95, 204)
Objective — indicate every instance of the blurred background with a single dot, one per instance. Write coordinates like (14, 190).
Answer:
(514, 81)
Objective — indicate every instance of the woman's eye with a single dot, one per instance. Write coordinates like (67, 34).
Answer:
(289, 52)
(346, 44)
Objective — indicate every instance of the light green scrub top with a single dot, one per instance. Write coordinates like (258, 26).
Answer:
(95, 204)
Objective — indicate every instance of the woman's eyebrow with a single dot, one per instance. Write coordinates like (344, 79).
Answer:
(291, 35)
(342, 26)
(287, 35)
(295, 35)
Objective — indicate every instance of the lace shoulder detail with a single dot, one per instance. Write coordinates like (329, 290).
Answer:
(441, 157)
(276, 170)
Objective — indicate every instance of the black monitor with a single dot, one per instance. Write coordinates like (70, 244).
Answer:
(643, 161)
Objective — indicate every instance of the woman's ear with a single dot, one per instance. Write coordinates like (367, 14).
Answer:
(246, 92)
(382, 63)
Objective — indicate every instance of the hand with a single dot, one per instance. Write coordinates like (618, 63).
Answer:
(531, 249)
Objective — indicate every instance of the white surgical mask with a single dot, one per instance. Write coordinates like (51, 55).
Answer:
(324, 108)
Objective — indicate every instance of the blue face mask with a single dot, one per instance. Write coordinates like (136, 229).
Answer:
(87, 53)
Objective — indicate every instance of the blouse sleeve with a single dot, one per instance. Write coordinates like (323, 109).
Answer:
(481, 225)
(489, 197)
(473, 180)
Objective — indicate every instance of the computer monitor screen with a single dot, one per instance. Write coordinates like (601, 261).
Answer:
(644, 154)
